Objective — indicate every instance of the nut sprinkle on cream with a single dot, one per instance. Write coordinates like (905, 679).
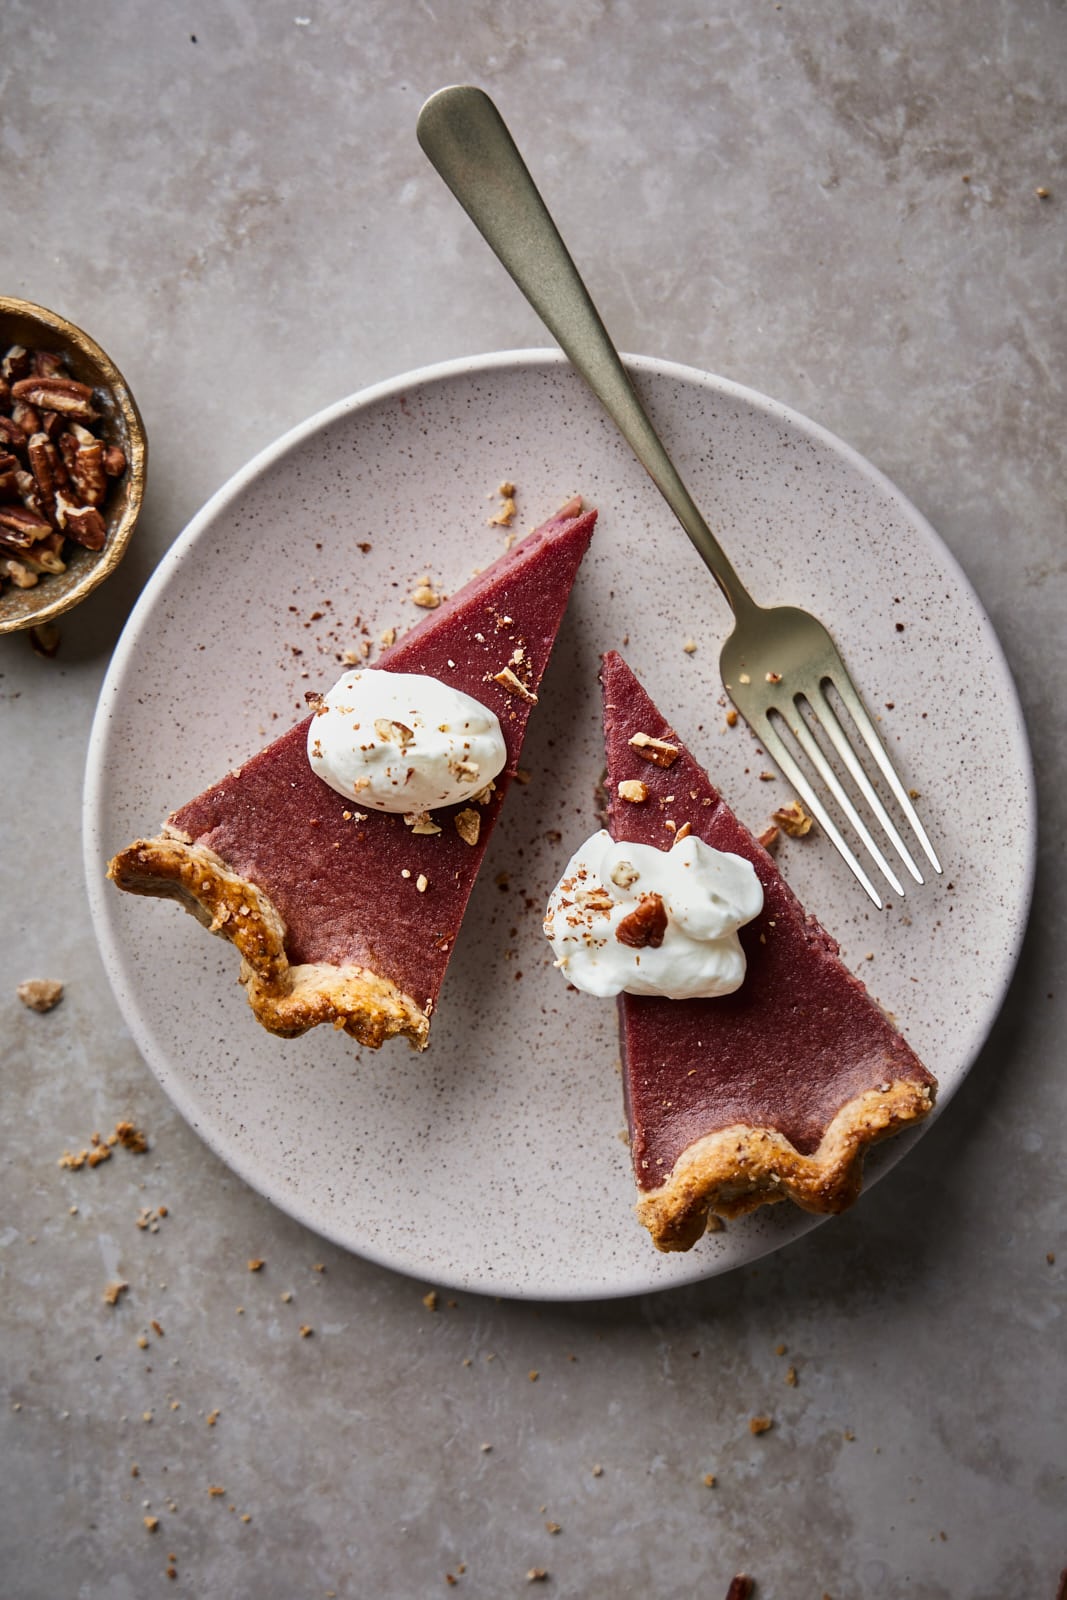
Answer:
(404, 742)
(628, 918)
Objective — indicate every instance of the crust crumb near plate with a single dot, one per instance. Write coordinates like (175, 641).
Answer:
(40, 994)
(286, 999)
(738, 1169)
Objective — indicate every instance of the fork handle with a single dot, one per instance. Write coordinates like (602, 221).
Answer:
(466, 139)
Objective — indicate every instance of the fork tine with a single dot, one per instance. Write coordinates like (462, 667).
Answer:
(849, 697)
(783, 758)
(828, 720)
(807, 742)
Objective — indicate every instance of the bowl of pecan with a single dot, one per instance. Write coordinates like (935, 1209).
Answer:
(73, 455)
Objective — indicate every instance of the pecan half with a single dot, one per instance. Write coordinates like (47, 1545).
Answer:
(645, 925)
(46, 466)
(17, 363)
(8, 481)
(83, 523)
(22, 527)
(65, 395)
(44, 556)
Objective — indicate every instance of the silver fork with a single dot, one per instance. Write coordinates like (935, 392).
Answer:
(780, 666)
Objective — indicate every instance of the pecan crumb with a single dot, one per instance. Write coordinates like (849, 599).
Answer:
(506, 515)
(514, 685)
(634, 790)
(731, 717)
(426, 596)
(40, 994)
(257, 1263)
(657, 751)
(760, 1424)
(131, 1138)
(429, 1300)
(468, 825)
(792, 819)
(114, 1291)
(420, 822)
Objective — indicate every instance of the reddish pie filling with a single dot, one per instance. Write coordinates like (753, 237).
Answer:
(800, 1038)
(337, 875)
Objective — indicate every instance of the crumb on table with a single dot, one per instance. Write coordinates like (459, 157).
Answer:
(40, 994)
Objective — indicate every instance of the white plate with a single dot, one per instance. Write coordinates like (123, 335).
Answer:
(494, 1161)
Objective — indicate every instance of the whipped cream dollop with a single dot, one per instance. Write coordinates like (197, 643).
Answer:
(628, 918)
(404, 741)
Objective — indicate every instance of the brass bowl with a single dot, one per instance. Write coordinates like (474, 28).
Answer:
(120, 423)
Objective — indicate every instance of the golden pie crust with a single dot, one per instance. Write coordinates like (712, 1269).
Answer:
(735, 1170)
(287, 999)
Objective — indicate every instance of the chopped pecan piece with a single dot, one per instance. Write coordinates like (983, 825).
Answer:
(645, 925)
(514, 685)
(792, 819)
(17, 573)
(634, 790)
(657, 751)
(468, 825)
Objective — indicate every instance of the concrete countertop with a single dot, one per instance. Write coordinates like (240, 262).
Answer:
(834, 204)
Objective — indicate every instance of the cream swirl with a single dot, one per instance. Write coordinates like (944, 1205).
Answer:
(628, 918)
(404, 741)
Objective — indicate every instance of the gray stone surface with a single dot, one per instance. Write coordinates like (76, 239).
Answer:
(230, 198)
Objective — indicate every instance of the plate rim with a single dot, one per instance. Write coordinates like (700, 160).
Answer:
(170, 563)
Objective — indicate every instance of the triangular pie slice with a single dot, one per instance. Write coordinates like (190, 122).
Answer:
(771, 1093)
(346, 916)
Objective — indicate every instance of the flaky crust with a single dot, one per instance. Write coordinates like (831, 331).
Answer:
(286, 999)
(738, 1169)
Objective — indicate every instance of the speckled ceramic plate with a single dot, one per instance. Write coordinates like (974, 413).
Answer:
(494, 1162)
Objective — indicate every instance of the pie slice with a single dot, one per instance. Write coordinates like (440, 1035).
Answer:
(347, 916)
(773, 1092)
